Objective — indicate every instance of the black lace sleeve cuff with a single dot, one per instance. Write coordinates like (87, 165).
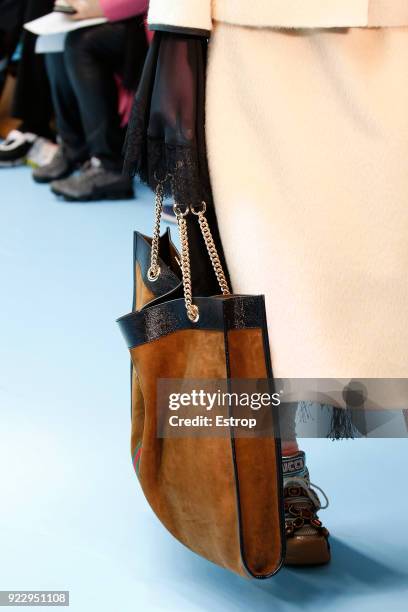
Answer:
(166, 135)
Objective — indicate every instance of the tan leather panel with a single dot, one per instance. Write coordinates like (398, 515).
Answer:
(138, 412)
(143, 293)
(189, 482)
(256, 460)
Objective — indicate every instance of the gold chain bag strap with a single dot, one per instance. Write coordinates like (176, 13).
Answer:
(154, 270)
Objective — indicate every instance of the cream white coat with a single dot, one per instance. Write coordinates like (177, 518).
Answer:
(201, 14)
(307, 137)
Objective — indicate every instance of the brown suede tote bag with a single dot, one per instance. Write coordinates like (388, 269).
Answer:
(220, 496)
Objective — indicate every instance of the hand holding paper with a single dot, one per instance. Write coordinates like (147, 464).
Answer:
(85, 9)
(55, 23)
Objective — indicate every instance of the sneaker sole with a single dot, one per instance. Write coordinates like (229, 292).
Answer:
(16, 162)
(42, 180)
(126, 195)
(307, 550)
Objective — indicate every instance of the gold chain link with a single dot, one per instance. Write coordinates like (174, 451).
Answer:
(212, 251)
(192, 310)
(154, 270)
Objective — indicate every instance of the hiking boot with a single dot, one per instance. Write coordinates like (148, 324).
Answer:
(306, 538)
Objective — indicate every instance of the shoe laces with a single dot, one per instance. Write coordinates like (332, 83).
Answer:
(308, 487)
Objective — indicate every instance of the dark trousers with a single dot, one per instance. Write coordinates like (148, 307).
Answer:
(11, 14)
(32, 99)
(11, 23)
(85, 94)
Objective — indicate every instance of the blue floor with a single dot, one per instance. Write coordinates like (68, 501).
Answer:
(71, 514)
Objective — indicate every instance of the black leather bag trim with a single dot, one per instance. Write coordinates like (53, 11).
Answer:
(165, 284)
(168, 279)
(216, 313)
(275, 417)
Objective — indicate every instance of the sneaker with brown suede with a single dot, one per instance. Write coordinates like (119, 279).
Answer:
(306, 538)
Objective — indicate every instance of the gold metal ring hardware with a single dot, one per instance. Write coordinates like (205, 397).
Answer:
(153, 273)
(193, 313)
(202, 210)
(180, 213)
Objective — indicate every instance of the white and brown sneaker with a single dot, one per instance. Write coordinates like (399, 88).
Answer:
(306, 538)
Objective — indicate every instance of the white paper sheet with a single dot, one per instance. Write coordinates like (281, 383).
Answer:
(50, 43)
(57, 23)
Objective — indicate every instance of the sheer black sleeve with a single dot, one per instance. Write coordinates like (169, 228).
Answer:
(166, 131)
(166, 135)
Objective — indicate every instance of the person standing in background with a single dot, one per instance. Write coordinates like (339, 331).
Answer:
(99, 65)
(32, 103)
(11, 19)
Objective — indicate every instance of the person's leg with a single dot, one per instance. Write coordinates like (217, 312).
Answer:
(73, 148)
(9, 37)
(287, 418)
(67, 116)
(31, 104)
(32, 100)
(93, 56)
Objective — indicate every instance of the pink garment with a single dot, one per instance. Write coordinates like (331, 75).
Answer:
(116, 10)
(125, 102)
